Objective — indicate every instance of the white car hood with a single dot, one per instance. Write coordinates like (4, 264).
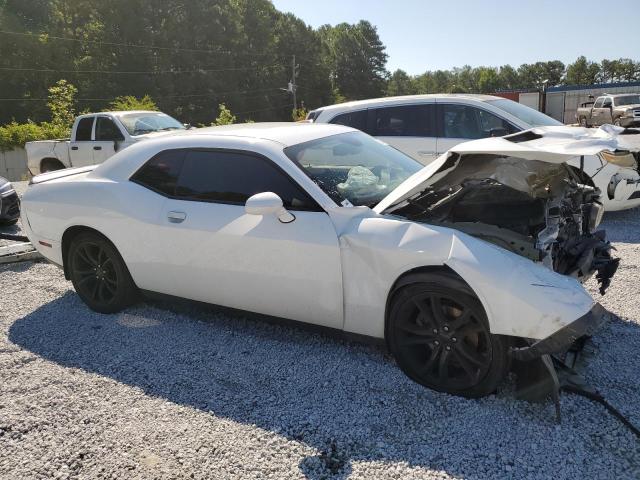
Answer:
(547, 144)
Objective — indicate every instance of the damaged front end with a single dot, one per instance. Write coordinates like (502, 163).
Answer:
(547, 212)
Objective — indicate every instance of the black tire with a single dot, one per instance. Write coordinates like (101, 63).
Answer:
(50, 165)
(583, 122)
(439, 334)
(99, 275)
(617, 122)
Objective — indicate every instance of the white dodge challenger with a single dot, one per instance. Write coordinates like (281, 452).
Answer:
(460, 266)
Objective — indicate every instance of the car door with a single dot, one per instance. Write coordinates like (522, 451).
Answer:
(207, 248)
(409, 128)
(607, 108)
(107, 137)
(460, 123)
(597, 112)
(81, 146)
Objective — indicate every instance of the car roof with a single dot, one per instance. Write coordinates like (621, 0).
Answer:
(408, 99)
(118, 113)
(284, 133)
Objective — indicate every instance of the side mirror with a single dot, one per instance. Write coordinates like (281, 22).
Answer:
(268, 203)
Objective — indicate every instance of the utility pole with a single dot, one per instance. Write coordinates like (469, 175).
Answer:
(294, 74)
(292, 87)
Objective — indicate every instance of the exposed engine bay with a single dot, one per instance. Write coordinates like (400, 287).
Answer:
(546, 212)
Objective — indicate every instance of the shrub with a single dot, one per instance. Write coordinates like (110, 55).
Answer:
(225, 117)
(15, 135)
(129, 102)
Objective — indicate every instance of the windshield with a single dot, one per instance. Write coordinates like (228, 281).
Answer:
(628, 100)
(528, 115)
(353, 168)
(140, 123)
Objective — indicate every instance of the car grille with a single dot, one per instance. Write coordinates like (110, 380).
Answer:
(11, 206)
(636, 113)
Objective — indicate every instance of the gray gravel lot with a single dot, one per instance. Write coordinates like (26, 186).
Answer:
(193, 392)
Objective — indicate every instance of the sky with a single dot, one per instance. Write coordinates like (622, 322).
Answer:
(425, 35)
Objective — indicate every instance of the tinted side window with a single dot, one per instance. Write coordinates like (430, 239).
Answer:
(231, 177)
(161, 172)
(607, 102)
(598, 103)
(83, 130)
(405, 121)
(106, 130)
(463, 121)
(352, 119)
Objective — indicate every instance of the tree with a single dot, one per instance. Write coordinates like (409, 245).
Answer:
(129, 102)
(400, 84)
(356, 57)
(582, 72)
(61, 103)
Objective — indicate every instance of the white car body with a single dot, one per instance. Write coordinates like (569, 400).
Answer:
(333, 267)
(620, 186)
(92, 149)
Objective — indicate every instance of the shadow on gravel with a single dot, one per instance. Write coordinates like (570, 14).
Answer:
(346, 400)
(623, 226)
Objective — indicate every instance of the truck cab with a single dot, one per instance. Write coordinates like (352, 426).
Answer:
(97, 136)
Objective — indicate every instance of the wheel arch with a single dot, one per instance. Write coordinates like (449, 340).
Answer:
(68, 236)
(51, 160)
(418, 274)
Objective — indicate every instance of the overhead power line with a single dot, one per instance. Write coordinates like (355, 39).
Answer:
(133, 45)
(149, 72)
(196, 95)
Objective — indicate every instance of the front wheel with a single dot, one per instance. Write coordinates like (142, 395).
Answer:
(439, 334)
(583, 122)
(617, 122)
(99, 275)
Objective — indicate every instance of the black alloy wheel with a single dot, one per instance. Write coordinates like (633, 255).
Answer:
(99, 275)
(440, 337)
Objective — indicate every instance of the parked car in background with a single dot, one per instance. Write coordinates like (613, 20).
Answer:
(325, 225)
(622, 110)
(95, 137)
(426, 126)
(9, 203)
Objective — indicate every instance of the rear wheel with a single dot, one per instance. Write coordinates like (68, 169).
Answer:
(439, 334)
(99, 275)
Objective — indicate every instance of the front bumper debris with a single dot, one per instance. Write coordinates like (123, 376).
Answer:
(564, 338)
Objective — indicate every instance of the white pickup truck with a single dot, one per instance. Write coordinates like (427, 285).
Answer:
(97, 136)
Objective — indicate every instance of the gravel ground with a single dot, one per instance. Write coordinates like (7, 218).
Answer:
(194, 392)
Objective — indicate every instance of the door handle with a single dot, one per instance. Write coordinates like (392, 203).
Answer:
(74, 148)
(176, 217)
(97, 147)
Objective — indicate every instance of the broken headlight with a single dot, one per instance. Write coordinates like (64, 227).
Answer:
(594, 216)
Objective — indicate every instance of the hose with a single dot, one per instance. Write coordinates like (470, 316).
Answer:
(596, 397)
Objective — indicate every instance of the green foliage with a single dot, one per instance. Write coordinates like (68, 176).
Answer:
(299, 114)
(225, 117)
(61, 103)
(15, 135)
(356, 58)
(129, 102)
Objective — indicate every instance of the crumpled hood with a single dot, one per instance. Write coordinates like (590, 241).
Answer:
(547, 144)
